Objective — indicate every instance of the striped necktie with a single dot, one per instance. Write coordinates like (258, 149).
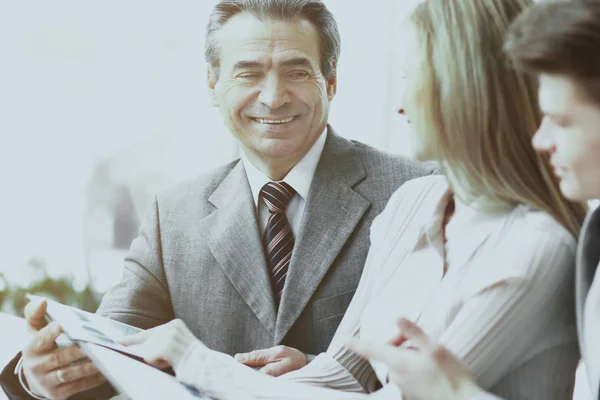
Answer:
(278, 239)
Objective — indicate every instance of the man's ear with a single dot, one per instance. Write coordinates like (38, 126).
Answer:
(332, 83)
(211, 78)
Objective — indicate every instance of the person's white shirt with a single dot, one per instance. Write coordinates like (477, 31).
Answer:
(299, 178)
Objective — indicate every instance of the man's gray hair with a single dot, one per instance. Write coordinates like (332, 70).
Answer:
(314, 11)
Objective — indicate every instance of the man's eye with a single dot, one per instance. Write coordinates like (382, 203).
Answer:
(299, 74)
(248, 75)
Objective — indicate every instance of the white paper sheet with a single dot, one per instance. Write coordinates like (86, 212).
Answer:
(83, 326)
(137, 380)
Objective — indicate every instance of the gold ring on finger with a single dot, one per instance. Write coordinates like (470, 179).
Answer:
(59, 376)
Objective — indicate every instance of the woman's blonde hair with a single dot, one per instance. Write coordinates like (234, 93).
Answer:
(475, 114)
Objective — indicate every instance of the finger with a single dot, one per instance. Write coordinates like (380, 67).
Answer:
(398, 340)
(258, 358)
(44, 340)
(412, 332)
(35, 314)
(446, 360)
(68, 389)
(157, 361)
(161, 364)
(276, 368)
(156, 354)
(61, 357)
(138, 338)
(73, 373)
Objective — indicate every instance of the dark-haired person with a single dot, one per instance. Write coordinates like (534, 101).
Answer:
(559, 41)
(264, 253)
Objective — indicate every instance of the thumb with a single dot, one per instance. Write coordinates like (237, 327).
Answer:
(138, 338)
(44, 340)
(256, 358)
(35, 314)
(412, 332)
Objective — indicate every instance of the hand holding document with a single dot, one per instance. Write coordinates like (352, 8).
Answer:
(164, 346)
(99, 338)
(83, 326)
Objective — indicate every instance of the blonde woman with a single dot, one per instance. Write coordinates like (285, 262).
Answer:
(481, 258)
(570, 135)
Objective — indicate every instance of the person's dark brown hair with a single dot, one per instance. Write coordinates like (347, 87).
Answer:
(314, 11)
(559, 38)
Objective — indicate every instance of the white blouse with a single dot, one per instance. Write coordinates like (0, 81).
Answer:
(498, 293)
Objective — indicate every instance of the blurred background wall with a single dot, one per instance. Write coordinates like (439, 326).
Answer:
(104, 103)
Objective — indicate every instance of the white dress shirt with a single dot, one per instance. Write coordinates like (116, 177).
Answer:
(299, 178)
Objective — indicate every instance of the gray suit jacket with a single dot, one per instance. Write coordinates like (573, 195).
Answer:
(199, 256)
(588, 257)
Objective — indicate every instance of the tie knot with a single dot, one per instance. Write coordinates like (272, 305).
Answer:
(277, 196)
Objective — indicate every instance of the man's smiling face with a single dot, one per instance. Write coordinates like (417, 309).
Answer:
(270, 88)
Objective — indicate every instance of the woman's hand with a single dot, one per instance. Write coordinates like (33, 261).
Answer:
(422, 369)
(164, 346)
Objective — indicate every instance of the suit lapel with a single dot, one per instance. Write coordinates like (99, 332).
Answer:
(588, 255)
(234, 240)
(333, 209)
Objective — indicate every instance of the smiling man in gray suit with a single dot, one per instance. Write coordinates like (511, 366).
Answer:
(268, 249)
